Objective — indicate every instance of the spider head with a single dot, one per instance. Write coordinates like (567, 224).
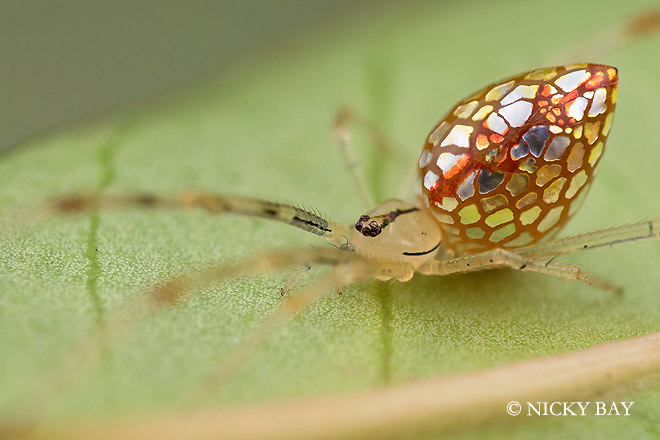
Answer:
(397, 230)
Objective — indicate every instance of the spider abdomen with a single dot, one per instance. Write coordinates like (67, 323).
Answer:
(508, 165)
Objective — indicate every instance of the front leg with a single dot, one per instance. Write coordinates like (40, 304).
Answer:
(498, 258)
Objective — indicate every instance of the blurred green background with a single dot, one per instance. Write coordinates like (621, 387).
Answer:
(260, 126)
(66, 60)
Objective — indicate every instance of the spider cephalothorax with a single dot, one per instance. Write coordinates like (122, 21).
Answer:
(397, 230)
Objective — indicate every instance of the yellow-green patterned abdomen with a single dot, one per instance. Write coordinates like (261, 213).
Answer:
(510, 164)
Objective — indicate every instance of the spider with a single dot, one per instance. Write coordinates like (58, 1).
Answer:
(505, 169)
(499, 176)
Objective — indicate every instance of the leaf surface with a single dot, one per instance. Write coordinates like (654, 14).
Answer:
(264, 131)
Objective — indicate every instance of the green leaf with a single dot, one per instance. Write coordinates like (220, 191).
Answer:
(264, 131)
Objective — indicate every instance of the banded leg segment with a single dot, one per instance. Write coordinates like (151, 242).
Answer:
(499, 258)
(214, 204)
(591, 240)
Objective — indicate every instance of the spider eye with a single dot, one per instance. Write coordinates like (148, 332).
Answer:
(370, 229)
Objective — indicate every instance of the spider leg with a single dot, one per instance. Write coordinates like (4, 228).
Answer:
(348, 267)
(409, 183)
(590, 240)
(498, 258)
(298, 275)
(613, 38)
(212, 203)
(344, 272)
(344, 117)
(344, 144)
